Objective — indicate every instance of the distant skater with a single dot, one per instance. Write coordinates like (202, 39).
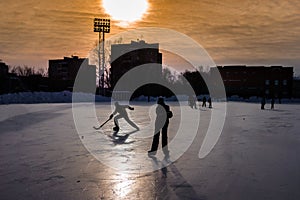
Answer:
(209, 102)
(272, 103)
(163, 114)
(121, 111)
(279, 98)
(192, 101)
(195, 100)
(263, 103)
(204, 102)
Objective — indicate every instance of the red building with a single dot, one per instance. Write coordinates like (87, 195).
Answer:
(249, 81)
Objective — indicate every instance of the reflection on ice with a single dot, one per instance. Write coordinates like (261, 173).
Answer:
(123, 186)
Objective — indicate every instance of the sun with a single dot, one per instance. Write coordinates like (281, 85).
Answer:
(126, 11)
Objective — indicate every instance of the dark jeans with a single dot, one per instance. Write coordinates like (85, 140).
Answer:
(155, 142)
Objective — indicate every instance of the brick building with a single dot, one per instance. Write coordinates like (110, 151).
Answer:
(63, 72)
(125, 57)
(249, 81)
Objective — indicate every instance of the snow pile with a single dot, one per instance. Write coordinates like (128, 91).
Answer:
(144, 98)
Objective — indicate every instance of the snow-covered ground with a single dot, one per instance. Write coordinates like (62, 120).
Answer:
(47, 97)
(43, 156)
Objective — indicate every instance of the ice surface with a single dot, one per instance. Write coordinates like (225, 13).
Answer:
(43, 157)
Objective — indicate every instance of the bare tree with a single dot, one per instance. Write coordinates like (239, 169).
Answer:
(22, 71)
(42, 71)
(94, 57)
(27, 71)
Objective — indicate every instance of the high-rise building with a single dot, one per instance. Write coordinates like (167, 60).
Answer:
(125, 57)
(63, 72)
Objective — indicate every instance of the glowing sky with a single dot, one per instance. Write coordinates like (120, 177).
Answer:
(232, 31)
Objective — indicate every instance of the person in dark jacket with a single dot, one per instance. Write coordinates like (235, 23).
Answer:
(263, 103)
(272, 103)
(209, 102)
(163, 114)
(204, 102)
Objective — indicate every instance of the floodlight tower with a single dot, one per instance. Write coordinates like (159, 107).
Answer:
(101, 26)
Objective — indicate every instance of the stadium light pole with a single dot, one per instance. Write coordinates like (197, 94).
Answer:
(101, 26)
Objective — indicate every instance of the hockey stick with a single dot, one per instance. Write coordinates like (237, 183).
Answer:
(101, 124)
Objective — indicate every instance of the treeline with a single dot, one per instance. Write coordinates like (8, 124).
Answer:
(27, 71)
(22, 79)
(187, 82)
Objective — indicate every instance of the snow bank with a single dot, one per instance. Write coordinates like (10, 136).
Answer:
(255, 99)
(172, 98)
(49, 97)
(66, 97)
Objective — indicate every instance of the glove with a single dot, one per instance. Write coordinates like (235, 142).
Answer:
(111, 116)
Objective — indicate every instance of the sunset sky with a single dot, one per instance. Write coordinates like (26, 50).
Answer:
(253, 32)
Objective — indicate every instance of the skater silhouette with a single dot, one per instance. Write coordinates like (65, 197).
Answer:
(121, 111)
(272, 103)
(209, 102)
(263, 103)
(204, 102)
(192, 101)
(163, 114)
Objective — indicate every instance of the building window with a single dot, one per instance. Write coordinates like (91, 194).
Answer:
(284, 82)
(267, 82)
(276, 82)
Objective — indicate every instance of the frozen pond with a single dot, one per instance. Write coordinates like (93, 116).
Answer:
(43, 155)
